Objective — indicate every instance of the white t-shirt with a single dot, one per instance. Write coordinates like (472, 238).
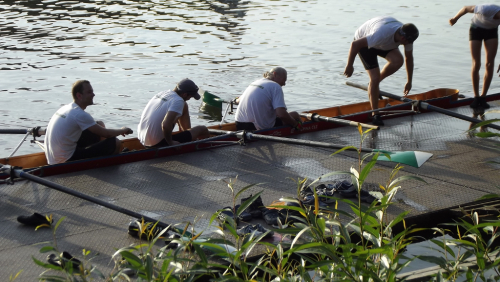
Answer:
(483, 16)
(64, 129)
(259, 102)
(379, 33)
(149, 129)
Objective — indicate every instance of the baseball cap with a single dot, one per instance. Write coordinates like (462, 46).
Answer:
(188, 86)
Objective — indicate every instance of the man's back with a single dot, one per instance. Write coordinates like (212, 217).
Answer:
(150, 127)
(259, 102)
(64, 130)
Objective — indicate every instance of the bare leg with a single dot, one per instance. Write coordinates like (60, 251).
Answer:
(395, 61)
(373, 87)
(490, 47)
(475, 49)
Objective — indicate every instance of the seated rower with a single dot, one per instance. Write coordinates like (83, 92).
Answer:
(262, 104)
(166, 109)
(72, 133)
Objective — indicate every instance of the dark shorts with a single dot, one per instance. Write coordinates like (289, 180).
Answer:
(181, 137)
(369, 57)
(90, 146)
(479, 33)
(249, 125)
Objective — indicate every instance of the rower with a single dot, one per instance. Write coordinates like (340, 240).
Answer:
(164, 111)
(382, 36)
(73, 134)
(262, 104)
(484, 26)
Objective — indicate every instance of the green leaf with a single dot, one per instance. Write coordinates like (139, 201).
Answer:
(57, 224)
(47, 249)
(246, 188)
(435, 260)
(248, 202)
(483, 123)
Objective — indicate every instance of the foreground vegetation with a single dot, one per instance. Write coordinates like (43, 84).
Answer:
(317, 246)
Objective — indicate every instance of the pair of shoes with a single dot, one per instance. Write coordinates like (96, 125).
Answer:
(377, 120)
(255, 207)
(257, 229)
(35, 219)
(226, 213)
(64, 260)
(483, 103)
(150, 232)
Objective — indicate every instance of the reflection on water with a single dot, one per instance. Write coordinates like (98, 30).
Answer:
(131, 50)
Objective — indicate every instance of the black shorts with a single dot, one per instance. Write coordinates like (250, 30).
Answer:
(251, 127)
(369, 57)
(90, 146)
(479, 33)
(181, 137)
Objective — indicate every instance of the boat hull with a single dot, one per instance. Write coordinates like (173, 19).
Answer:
(361, 112)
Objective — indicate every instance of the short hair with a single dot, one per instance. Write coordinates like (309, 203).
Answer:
(275, 70)
(410, 32)
(78, 87)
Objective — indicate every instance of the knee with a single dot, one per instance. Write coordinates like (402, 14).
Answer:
(489, 66)
(99, 122)
(476, 66)
(295, 115)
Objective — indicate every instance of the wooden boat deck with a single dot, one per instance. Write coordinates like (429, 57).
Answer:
(189, 187)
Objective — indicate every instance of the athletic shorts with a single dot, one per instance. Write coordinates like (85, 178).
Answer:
(181, 137)
(90, 146)
(479, 33)
(251, 127)
(369, 57)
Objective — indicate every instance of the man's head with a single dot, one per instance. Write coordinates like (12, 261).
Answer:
(409, 32)
(277, 74)
(187, 86)
(83, 93)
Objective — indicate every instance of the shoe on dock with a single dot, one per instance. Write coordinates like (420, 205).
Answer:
(35, 219)
(150, 232)
(258, 229)
(63, 259)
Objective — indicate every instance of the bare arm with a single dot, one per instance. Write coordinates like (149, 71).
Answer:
(184, 121)
(167, 125)
(463, 11)
(409, 71)
(356, 45)
(108, 133)
(285, 117)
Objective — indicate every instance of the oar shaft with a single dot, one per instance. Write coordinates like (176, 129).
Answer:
(13, 131)
(20, 173)
(316, 117)
(426, 106)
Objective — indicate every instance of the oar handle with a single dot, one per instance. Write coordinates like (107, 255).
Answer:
(316, 117)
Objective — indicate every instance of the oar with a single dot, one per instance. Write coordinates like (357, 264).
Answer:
(14, 171)
(37, 130)
(425, 105)
(316, 117)
(412, 158)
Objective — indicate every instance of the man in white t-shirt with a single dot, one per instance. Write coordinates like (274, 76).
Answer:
(164, 111)
(262, 104)
(382, 36)
(72, 133)
(484, 27)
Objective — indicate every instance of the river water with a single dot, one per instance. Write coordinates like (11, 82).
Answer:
(130, 50)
